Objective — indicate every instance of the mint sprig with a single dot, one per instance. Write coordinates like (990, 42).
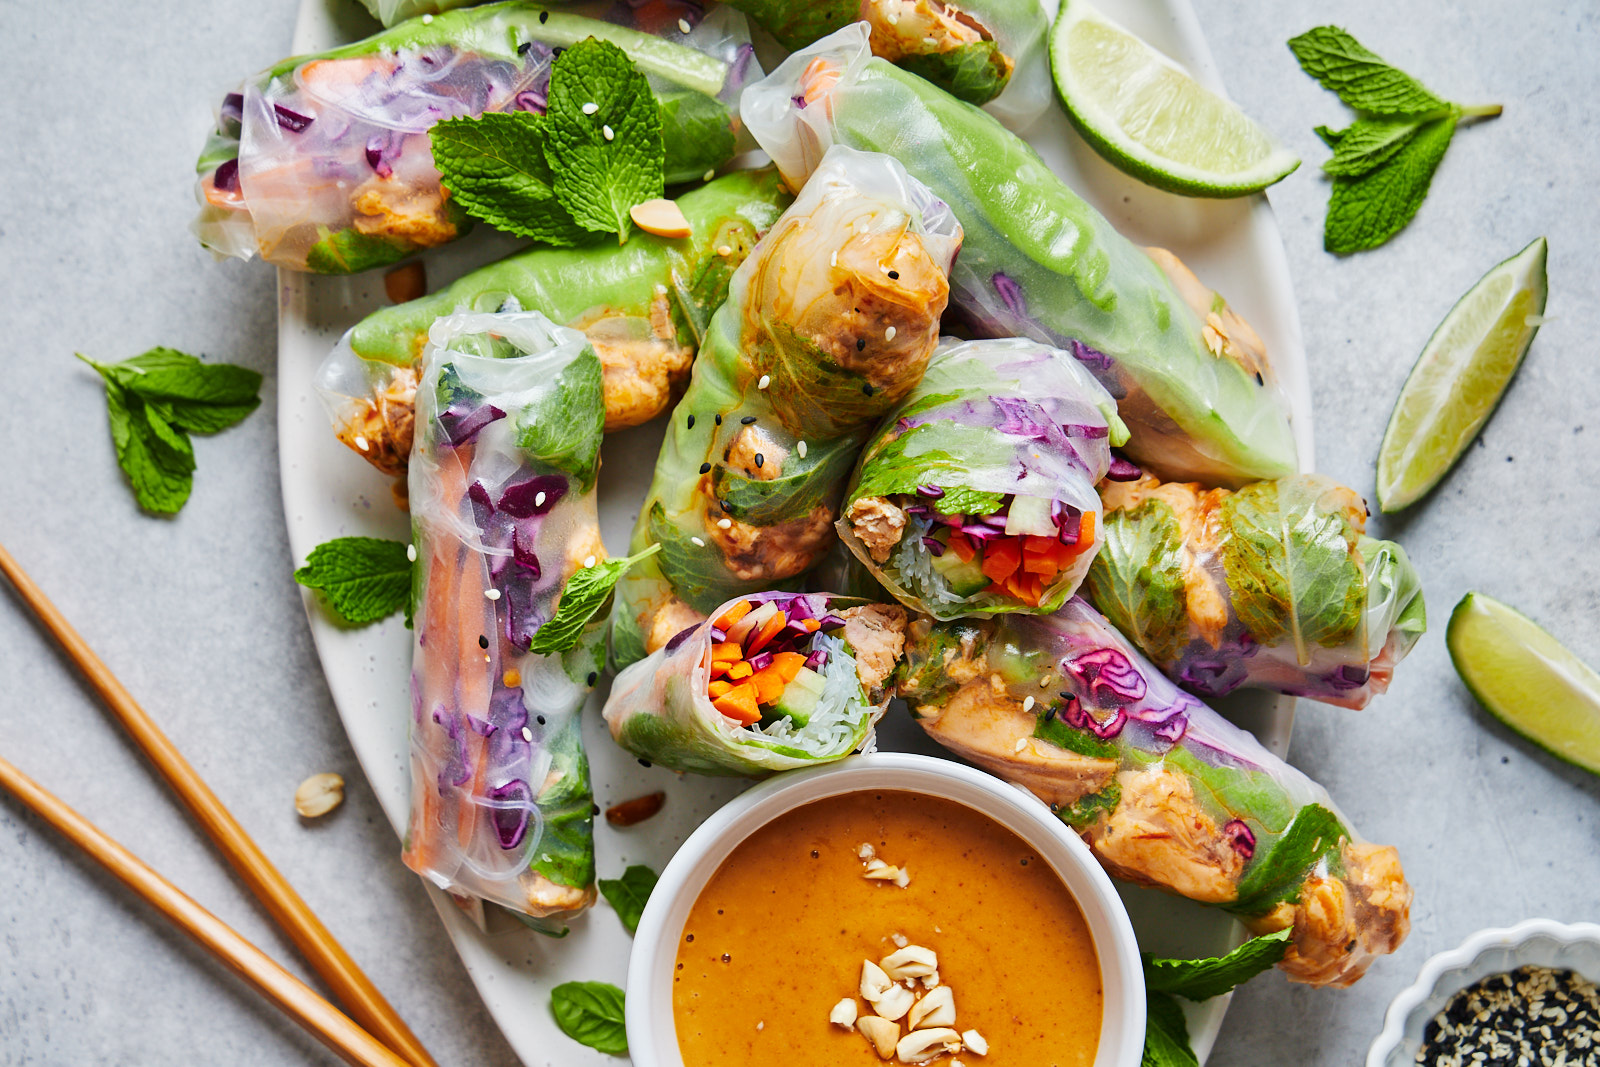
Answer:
(154, 401)
(629, 894)
(363, 578)
(587, 591)
(494, 166)
(591, 1013)
(1384, 162)
(1166, 1035)
(1203, 979)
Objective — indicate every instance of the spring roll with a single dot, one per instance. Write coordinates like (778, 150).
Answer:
(976, 495)
(644, 306)
(503, 512)
(828, 325)
(1038, 261)
(1273, 586)
(1166, 791)
(771, 682)
(323, 162)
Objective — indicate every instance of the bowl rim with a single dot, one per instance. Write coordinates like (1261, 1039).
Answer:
(1462, 957)
(652, 1042)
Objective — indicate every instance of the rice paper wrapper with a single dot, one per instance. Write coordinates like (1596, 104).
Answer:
(1166, 791)
(828, 324)
(999, 447)
(503, 512)
(1190, 378)
(660, 711)
(323, 162)
(1275, 586)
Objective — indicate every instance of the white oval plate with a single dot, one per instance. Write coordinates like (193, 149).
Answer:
(328, 492)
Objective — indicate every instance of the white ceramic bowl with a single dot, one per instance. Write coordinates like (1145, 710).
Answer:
(1535, 942)
(652, 1034)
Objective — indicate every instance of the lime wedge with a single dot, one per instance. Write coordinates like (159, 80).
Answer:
(1464, 368)
(1149, 118)
(1527, 679)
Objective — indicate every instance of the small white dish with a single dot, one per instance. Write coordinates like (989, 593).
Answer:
(652, 1033)
(1534, 942)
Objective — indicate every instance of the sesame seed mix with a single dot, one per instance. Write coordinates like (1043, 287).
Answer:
(1532, 1015)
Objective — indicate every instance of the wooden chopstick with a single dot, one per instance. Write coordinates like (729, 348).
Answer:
(325, 955)
(296, 999)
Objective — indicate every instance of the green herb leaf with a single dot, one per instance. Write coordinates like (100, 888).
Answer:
(1363, 80)
(1315, 834)
(587, 592)
(1136, 580)
(1085, 811)
(1368, 144)
(566, 845)
(1206, 978)
(566, 429)
(350, 251)
(494, 166)
(364, 578)
(629, 894)
(599, 177)
(1050, 728)
(1166, 1035)
(591, 1013)
(1330, 136)
(1366, 211)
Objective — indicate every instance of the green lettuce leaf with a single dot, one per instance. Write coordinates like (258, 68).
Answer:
(1315, 834)
(566, 849)
(565, 431)
(1136, 580)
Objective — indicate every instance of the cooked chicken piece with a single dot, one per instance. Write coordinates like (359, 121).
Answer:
(1206, 598)
(983, 723)
(877, 632)
(380, 428)
(644, 372)
(389, 208)
(902, 28)
(669, 621)
(1225, 333)
(878, 523)
(1160, 836)
(755, 454)
(585, 542)
(550, 898)
(770, 553)
(1341, 926)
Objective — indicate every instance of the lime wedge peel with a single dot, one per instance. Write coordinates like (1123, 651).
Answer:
(1460, 376)
(1148, 116)
(1527, 679)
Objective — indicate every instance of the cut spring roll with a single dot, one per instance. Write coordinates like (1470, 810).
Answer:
(976, 495)
(323, 162)
(1274, 586)
(828, 325)
(987, 52)
(771, 682)
(1038, 261)
(503, 512)
(644, 306)
(1166, 791)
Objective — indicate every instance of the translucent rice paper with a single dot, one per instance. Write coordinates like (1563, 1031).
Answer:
(390, 12)
(828, 325)
(503, 512)
(1275, 586)
(644, 306)
(1189, 377)
(659, 711)
(1165, 791)
(323, 163)
(990, 420)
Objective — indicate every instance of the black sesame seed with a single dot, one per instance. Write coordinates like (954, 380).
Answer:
(719, 420)
(539, 719)
(1260, 380)
(894, 275)
(646, 763)
(861, 344)
(705, 468)
(483, 641)
(867, 389)
(594, 809)
(726, 506)
(1024, 861)
(544, 16)
(594, 676)
(747, 420)
(524, 48)
(760, 459)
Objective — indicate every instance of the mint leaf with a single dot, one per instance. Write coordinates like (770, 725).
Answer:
(1136, 579)
(591, 1013)
(350, 251)
(599, 177)
(1368, 144)
(1362, 80)
(629, 894)
(364, 578)
(1316, 834)
(1206, 978)
(566, 429)
(586, 593)
(494, 166)
(1166, 1035)
(1329, 136)
(1366, 211)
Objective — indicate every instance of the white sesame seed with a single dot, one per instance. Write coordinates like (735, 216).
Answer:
(1021, 744)
(427, 20)
(888, 335)
(1044, 683)
(833, 258)
(708, 175)
(892, 19)
(1027, 705)
(361, 442)
(697, 542)
(538, 500)
(411, 553)
(590, 108)
(683, 25)
(588, 561)
(766, 380)
(607, 131)
(724, 524)
(527, 735)
(724, 250)
(801, 448)
(491, 594)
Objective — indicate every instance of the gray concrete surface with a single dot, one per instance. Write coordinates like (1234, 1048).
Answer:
(105, 109)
